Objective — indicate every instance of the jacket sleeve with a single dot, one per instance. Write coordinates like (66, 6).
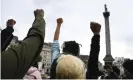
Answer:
(6, 37)
(16, 61)
(55, 50)
(92, 68)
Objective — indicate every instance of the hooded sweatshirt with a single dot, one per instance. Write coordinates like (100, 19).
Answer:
(33, 73)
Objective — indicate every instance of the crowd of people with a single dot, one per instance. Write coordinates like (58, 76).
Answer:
(21, 61)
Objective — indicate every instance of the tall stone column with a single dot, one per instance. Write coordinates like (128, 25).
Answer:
(108, 58)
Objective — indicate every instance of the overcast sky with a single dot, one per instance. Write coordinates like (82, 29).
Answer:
(77, 15)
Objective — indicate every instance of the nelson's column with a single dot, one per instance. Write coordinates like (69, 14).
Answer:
(108, 58)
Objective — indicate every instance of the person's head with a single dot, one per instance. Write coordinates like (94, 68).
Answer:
(69, 67)
(71, 47)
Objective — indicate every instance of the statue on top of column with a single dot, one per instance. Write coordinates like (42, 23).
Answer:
(105, 6)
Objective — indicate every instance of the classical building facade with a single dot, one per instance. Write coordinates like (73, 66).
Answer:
(14, 42)
(46, 62)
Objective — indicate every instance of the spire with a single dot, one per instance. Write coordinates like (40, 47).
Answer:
(105, 6)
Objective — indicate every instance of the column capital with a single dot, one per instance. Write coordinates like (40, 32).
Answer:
(106, 14)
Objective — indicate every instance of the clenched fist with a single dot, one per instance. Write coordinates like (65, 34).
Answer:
(11, 22)
(39, 13)
(59, 20)
(95, 27)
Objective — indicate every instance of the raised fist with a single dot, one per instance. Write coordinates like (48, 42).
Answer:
(95, 27)
(59, 20)
(39, 13)
(10, 22)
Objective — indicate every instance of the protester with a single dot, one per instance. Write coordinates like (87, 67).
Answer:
(16, 61)
(69, 67)
(128, 69)
(92, 68)
(111, 72)
(6, 34)
(93, 60)
(69, 47)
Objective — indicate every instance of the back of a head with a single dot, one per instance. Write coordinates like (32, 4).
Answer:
(71, 47)
(70, 67)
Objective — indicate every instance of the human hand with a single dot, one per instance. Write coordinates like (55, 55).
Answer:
(39, 13)
(95, 28)
(59, 21)
(10, 22)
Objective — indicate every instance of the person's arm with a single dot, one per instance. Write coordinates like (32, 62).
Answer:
(57, 32)
(6, 34)
(16, 61)
(55, 44)
(92, 68)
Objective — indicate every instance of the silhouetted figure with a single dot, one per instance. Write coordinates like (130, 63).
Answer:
(92, 68)
(128, 69)
(6, 34)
